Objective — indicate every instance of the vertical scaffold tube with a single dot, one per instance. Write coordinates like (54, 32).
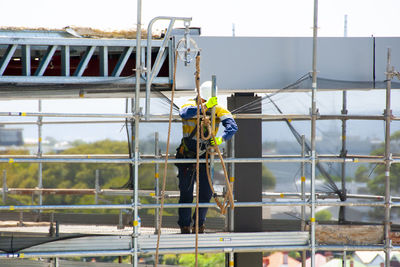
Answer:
(213, 93)
(344, 258)
(136, 112)
(313, 130)
(343, 154)
(39, 154)
(4, 187)
(388, 158)
(303, 197)
(157, 183)
(232, 211)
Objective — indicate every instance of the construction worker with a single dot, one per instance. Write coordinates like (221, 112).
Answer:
(187, 149)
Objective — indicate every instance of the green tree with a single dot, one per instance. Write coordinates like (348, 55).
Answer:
(82, 175)
(376, 185)
(204, 260)
(268, 178)
(323, 215)
(362, 174)
(19, 175)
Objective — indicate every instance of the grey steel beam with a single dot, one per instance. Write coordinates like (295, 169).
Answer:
(122, 61)
(161, 55)
(7, 57)
(82, 81)
(75, 42)
(171, 58)
(45, 60)
(103, 61)
(65, 61)
(84, 61)
(26, 60)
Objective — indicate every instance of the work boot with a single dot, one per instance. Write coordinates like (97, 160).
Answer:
(185, 229)
(202, 229)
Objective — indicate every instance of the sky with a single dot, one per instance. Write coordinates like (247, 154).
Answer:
(215, 17)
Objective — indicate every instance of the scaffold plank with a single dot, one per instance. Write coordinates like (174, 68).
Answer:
(147, 243)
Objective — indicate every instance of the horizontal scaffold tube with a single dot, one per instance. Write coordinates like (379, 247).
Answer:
(188, 205)
(72, 115)
(176, 118)
(54, 254)
(171, 194)
(191, 250)
(92, 253)
(102, 159)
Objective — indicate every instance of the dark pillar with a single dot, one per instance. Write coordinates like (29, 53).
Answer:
(248, 181)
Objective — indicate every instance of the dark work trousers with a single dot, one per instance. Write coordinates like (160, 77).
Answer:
(187, 179)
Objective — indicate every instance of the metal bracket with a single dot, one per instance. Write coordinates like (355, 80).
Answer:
(151, 72)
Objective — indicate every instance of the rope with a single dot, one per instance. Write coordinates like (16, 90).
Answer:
(166, 162)
(197, 157)
(205, 123)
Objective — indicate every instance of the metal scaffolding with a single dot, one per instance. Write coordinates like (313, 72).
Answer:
(82, 86)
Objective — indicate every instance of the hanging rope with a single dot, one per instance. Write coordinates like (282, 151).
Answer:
(205, 123)
(228, 200)
(166, 160)
(197, 156)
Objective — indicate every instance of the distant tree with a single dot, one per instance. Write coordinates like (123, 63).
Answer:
(268, 178)
(81, 175)
(362, 174)
(323, 215)
(19, 175)
(376, 184)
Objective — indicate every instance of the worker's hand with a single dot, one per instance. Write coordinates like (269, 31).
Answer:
(213, 101)
(218, 141)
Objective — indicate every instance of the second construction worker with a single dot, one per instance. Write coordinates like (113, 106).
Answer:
(187, 149)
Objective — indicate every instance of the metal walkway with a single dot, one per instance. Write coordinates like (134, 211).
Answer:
(169, 243)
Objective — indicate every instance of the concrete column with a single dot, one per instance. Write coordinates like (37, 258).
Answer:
(248, 181)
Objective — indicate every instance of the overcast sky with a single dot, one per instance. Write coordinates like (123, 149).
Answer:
(215, 17)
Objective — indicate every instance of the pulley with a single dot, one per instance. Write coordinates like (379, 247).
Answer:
(187, 48)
